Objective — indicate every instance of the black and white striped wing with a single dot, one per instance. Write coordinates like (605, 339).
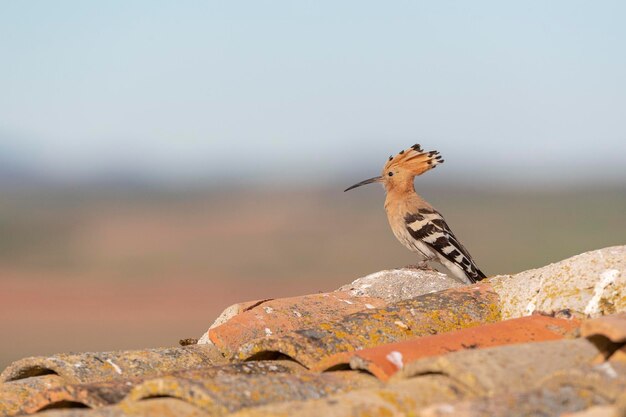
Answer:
(429, 227)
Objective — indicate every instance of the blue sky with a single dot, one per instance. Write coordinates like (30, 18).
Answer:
(529, 91)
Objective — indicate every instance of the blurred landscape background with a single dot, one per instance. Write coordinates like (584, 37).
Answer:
(161, 161)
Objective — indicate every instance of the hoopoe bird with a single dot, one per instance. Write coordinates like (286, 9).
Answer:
(414, 222)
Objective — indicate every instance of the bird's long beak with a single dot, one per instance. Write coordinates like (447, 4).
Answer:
(369, 181)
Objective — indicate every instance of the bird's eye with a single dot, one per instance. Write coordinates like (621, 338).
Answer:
(390, 174)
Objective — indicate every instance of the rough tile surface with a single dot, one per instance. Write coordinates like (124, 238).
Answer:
(428, 314)
(100, 394)
(102, 366)
(384, 361)
(505, 368)
(220, 394)
(395, 285)
(278, 317)
(591, 284)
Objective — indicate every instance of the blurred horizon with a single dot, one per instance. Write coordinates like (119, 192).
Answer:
(46, 229)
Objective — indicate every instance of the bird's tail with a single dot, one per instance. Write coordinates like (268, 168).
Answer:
(415, 159)
(475, 276)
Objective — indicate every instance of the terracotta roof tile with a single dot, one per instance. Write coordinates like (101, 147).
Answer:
(608, 333)
(597, 411)
(220, 394)
(102, 366)
(13, 395)
(619, 355)
(164, 407)
(243, 323)
(215, 390)
(95, 395)
(244, 368)
(592, 283)
(277, 317)
(617, 409)
(385, 360)
(462, 388)
(401, 284)
(512, 367)
(427, 314)
(44, 380)
(78, 395)
(400, 398)
(612, 327)
(569, 391)
(228, 313)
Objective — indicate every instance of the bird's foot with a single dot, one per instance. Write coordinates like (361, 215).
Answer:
(423, 265)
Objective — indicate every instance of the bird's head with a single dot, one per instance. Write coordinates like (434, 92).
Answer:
(400, 170)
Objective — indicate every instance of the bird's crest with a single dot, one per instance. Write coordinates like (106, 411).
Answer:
(414, 159)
